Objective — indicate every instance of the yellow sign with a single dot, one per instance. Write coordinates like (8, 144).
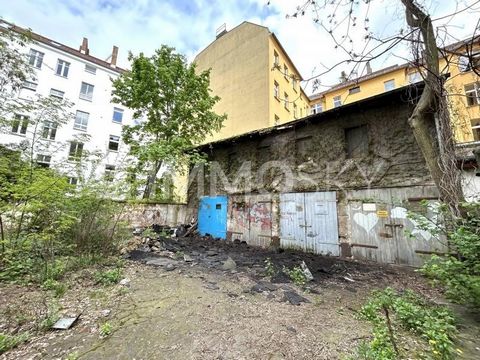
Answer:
(382, 213)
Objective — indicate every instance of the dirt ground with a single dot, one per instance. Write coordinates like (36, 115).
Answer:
(181, 303)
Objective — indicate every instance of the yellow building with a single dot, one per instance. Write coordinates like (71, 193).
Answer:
(257, 82)
(463, 87)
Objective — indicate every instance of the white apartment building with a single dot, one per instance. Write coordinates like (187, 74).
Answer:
(95, 124)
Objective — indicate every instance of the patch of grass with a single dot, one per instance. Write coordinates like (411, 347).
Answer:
(179, 255)
(389, 311)
(58, 288)
(8, 342)
(106, 329)
(108, 277)
(73, 356)
(296, 275)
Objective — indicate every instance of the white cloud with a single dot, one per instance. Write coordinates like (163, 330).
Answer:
(189, 25)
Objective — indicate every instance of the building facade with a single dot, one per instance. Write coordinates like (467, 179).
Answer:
(257, 82)
(458, 63)
(93, 125)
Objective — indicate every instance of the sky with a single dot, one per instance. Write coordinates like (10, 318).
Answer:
(189, 26)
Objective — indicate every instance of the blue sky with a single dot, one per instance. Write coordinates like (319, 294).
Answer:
(189, 26)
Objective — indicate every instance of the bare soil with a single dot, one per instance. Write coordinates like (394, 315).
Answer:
(195, 309)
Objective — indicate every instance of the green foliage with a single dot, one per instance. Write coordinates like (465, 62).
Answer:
(459, 271)
(73, 356)
(179, 255)
(57, 287)
(108, 277)
(149, 233)
(270, 267)
(175, 107)
(49, 227)
(8, 342)
(106, 329)
(296, 275)
(389, 311)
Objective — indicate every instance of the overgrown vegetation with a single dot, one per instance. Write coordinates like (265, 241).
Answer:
(296, 274)
(108, 277)
(392, 313)
(458, 271)
(8, 342)
(270, 267)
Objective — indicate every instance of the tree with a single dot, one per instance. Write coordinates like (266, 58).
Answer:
(173, 108)
(431, 111)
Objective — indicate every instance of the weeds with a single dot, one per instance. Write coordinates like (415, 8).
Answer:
(109, 277)
(389, 311)
(8, 342)
(106, 329)
(296, 274)
(179, 255)
(58, 288)
(270, 268)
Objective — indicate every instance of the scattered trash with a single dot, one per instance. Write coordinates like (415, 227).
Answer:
(306, 271)
(65, 322)
(229, 264)
(125, 282)
(347, 279)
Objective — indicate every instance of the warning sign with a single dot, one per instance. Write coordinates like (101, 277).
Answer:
(382, 213)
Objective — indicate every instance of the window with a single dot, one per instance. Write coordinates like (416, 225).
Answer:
(36, 58)
(295, 111)
(414, 77)
(49, 130)
(356, 140)
(73, 181)
(285, 71)
(276, 59)
(337, 101)
(113, 143)
(472, 92)
(90, 69)
(20, 124)
(62, 68)
(316, 108)
(117, 115)
(86, 91)
(44, 160)
(354, 90)
(30, 85)
(276, 120)
(109, 172)
(468, 63)
(476, 129)
(57, 93)
(75, 152)
(81, 120)
(276, 90)
(286, 102)
(389, 85)
(294, 83)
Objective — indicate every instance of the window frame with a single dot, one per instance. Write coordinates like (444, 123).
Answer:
(64, 67)
(335, 98)
(76, 150)
(276, 59)
(354, 90)
(475, 129)
(115, 140)
(119, 111)
(49, 130)
(475, 99)
(35, 58)
(93, 69)
(30, 85)
(286, 101)
(52, 90)
(109, 174)
(43, 160)
(286, 72)
(18, 120)
(386, 87)
(276, 90)
(314, 109)
(72, 180)
(88, 96)
(79, 125)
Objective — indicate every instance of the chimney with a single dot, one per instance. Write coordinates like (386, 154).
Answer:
(368, 67)
(221, 30)
(84, 47)
(113, 61)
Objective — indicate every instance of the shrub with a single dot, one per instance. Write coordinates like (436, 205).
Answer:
(296, 275)
(388, 311)
(109, 277)
(8, 342)
(269, 267)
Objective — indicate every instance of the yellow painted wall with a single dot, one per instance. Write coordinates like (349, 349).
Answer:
(296, 96)
(461, 114)
(240, 73)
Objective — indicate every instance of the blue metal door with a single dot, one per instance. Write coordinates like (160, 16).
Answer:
(212, 216)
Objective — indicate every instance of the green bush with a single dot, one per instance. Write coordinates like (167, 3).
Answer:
(389, 311)
(296, 275)
(109, 277)
(8, 342)
(459, 271)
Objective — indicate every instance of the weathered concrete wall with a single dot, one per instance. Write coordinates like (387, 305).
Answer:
(311, 156)
(144, 215)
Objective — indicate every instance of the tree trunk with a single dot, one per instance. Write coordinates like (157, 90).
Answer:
(151, 179)
(438, 151)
